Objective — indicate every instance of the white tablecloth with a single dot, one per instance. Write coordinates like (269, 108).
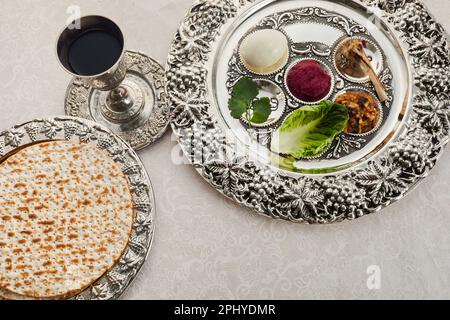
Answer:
(206, 246)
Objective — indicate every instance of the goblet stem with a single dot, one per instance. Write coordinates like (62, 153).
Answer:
(124, 103)
(119, 100)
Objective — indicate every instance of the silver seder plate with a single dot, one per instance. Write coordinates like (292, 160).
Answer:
(358, 175)
(114, 282)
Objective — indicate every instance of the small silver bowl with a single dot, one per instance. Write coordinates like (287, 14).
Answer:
(277, 98)
(373, 52)
(324, 66)
(283, 62)
(378, 104)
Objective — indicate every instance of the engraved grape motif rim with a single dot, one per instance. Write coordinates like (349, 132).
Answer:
(115, 281)
(348, 195)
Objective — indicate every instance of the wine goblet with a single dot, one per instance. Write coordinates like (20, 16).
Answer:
(123, 90)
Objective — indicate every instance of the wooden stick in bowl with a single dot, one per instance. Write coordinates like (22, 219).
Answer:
(354, 51)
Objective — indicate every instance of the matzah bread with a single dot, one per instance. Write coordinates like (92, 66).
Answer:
(66, 215)
(5, 294)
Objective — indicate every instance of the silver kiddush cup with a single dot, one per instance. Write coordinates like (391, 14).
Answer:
(127, 96)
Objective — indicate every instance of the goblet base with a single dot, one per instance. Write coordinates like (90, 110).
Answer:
(146, 117)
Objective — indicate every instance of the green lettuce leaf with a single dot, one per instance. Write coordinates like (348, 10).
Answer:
(309, 131)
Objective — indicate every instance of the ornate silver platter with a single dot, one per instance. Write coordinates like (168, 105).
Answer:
(114, 282)
(366, 177)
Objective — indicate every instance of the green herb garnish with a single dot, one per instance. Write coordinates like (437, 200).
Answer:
(244, 102)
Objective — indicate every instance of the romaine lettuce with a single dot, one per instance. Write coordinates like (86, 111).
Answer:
(309, 131)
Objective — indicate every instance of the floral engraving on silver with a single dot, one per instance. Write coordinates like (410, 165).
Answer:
(113, 284)
(356, 192)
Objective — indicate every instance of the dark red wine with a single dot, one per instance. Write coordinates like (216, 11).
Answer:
(94, 52)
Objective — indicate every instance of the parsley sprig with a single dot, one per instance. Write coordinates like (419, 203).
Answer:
(244, 102)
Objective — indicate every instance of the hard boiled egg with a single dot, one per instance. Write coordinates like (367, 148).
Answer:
(264, 51)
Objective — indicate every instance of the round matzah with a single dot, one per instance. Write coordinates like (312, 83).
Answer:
(66, 215)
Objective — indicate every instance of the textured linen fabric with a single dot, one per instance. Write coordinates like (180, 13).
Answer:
(206, 246)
